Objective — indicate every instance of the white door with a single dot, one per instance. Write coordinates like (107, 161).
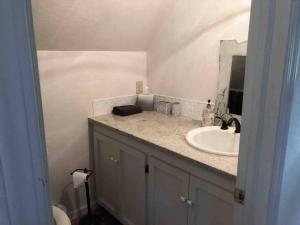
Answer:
(266, 107)
(4, 215)
(23, 165)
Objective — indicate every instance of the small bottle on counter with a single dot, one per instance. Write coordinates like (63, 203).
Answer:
(208, 115)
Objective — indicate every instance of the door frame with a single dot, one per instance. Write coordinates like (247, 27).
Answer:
(270, 78)
(268, 92)
(23, 158)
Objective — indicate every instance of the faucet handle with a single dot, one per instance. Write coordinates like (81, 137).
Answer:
(224, 125)
(237, 124)
(219, 117)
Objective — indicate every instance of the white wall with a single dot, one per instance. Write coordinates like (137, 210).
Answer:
(69, 81)
(183, 60)
(93, 25)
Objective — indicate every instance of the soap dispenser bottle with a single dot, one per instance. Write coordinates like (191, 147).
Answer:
(208, 115)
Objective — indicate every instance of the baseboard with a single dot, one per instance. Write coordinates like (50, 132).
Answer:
(81, 211)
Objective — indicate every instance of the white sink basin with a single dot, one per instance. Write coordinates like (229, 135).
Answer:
(214, 140)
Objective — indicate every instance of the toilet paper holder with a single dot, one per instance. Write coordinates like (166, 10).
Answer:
(89, 219)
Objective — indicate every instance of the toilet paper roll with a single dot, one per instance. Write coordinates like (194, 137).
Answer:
(78, 179)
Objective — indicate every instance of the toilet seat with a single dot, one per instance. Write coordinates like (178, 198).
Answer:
(60, 216)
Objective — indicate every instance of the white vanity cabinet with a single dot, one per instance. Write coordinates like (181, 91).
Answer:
(142, 184)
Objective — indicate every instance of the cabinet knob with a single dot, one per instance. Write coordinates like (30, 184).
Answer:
(190, 203)
(183, 199)
(114, 160)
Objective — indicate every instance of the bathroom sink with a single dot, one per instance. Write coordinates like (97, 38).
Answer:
(214, 140)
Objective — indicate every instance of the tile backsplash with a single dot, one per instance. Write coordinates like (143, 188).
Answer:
(188, 108)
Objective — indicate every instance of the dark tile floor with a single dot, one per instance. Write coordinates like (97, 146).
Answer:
(105, 217)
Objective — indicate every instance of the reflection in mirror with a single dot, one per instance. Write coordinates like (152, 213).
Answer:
(231, 78)
(236, 87)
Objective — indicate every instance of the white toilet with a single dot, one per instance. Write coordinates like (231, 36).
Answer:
(60, 217)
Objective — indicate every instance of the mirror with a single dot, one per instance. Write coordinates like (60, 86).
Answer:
(236, 87)
(231, 77)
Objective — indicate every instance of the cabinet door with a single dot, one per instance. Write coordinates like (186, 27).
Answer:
(107, 156)
(212, 205)
(132, 186)
(168, 188)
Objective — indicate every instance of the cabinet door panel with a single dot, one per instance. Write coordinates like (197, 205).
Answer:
(212, 204)
(166, 187)
(107, 173)
(132, 186)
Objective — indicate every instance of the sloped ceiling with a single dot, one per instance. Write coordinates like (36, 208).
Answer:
(97, 25)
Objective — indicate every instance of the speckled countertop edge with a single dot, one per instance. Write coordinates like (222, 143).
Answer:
(168, 133)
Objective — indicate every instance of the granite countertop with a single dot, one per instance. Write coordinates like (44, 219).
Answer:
(169, 133)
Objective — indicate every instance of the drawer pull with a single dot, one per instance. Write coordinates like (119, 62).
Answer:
(190, 203)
